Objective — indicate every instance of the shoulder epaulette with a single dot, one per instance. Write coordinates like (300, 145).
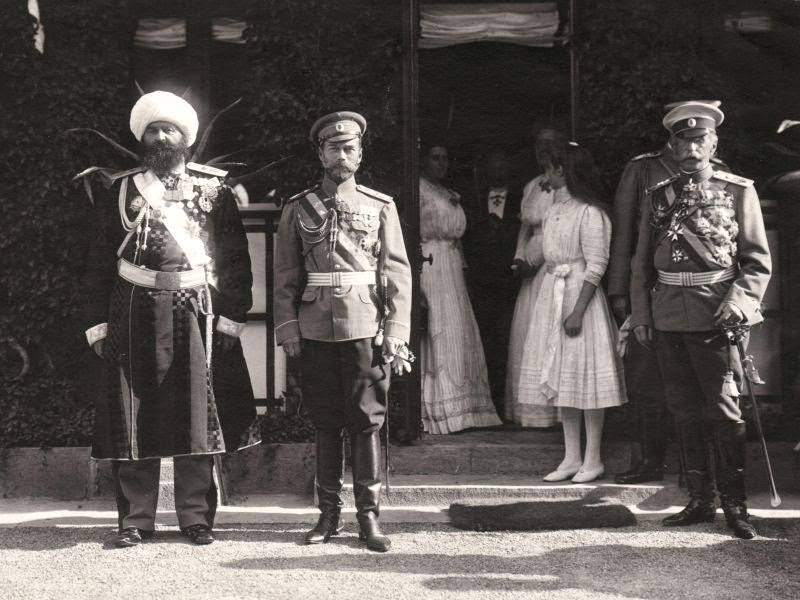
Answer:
(373, 193)
(661, 184)
(301, 194)
(731, 178)
(117, 176)
(655, 154)
(206, 170)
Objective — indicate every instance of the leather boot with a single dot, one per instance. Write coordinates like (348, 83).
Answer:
(366, 453)
(652, 441)
(330, 479)
(730, 441)
(701, 508)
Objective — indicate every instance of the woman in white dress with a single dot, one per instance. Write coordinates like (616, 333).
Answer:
(537, 197)
(571, 360)
(455, 382)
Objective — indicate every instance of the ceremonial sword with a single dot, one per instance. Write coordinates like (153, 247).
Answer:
(737, 335)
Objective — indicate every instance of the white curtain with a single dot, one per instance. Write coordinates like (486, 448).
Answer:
(38, 37)
(170, 33)
(530, 24)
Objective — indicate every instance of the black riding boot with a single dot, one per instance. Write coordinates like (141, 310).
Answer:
(366, 456)
(730, 440)
(330, 479)
(701, 508)
(652, 441)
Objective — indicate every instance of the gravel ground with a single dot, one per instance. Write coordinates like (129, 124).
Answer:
(427, 561)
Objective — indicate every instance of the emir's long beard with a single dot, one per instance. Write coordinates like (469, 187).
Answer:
(341, 170)
(162, 157)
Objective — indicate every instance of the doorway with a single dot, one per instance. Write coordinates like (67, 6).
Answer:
(478, 94)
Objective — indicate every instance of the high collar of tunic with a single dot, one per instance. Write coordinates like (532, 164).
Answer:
(698, 176)
(343, 190)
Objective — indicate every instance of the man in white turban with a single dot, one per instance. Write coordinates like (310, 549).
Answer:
(169, 280)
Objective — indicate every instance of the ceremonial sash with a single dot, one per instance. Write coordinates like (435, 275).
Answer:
(316, 212)
(173, 216)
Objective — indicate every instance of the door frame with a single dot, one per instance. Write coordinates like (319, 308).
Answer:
(411, 391)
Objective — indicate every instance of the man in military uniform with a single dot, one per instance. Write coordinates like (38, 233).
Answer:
(342, 302)
(168, 272)
(702, 264)
(642, 379)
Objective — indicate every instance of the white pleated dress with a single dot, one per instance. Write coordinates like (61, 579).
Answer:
(537, 197)
(455, 382)
(584, 371)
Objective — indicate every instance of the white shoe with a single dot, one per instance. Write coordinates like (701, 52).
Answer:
(585, 475)
(562, 474)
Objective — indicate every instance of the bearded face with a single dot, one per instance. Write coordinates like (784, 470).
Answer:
(164, 147)
(340, 160)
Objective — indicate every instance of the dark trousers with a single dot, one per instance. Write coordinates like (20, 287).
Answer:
(494, 309)
(694, 367)
(643, 379)
(345, 385)
(137, 484)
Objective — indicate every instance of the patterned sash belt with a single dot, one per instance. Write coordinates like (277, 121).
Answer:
(342, 278)
(161, 280)
(687, 279)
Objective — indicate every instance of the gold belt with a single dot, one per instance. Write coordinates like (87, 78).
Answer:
(688, 279)
(161, 280)
(341, 278)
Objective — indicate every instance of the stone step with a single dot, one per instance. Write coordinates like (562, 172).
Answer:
(166, 487)
(443, 490)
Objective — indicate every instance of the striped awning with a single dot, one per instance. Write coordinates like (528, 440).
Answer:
(170, 33)
(529, 24)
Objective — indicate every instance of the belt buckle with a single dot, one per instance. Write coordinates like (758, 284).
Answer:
(168, 280)
(686, 279)
(336, 279)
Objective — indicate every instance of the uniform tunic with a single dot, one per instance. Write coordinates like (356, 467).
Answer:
(707, 223)
(455, 384)
(333, 229)
(160, 399)
(642, 375)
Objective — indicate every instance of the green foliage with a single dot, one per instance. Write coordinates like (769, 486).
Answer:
(636, 56)
(314, 57)
(79, 81)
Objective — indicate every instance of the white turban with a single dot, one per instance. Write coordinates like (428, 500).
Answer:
(164, 106)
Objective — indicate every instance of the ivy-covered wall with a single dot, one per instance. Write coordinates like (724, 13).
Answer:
(43, 220)
(305, 58)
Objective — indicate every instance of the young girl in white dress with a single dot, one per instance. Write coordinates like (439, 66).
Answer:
(570, 360)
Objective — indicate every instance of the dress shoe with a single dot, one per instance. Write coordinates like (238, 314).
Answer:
(199, 534)
(586, 475)
(562, 474)
(328, 525)
(130, 536)
(697, 511)
(738, 520)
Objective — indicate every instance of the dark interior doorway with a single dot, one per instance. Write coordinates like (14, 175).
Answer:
(478, 99)
(487, 95)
